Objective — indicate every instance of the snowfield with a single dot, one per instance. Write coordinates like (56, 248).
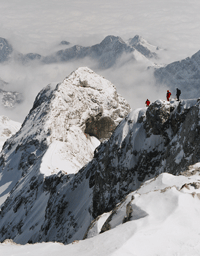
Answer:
(165, 221)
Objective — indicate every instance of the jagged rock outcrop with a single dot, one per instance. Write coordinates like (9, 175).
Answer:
(139, 150)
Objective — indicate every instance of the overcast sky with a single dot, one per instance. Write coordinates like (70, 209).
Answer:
(39, 26)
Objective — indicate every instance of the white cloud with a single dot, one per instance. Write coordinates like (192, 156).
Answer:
(33, 25)
(39, 26)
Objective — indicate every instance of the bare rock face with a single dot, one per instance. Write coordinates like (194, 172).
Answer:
(159, 139)
(100, 127)
(157, 116)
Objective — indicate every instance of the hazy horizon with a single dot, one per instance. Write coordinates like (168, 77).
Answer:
(39, 26)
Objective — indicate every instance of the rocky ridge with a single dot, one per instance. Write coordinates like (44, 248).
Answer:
(148, 142)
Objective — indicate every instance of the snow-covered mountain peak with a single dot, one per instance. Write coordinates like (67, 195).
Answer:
(87, 100)
(145, 48)
(65, 125)
(85, 77)
(110, 40)
(136, 39)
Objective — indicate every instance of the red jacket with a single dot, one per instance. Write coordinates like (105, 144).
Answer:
(147, 102)
(168, 95)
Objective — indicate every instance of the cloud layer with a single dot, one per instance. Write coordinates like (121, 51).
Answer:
(39, 26)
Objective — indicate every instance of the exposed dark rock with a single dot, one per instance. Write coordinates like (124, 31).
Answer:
(100, 127)
(5, 50)
(64, 43)
(157, 116)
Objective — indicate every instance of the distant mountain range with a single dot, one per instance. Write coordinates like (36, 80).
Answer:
(184, 74)
(105, 53)
(113, 50)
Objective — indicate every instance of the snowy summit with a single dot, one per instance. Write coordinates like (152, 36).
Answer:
(67, 122)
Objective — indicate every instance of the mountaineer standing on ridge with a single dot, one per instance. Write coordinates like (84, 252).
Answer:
(147, 103)
(168, 95)
(178, 93)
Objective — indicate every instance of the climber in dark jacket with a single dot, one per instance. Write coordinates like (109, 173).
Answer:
(147, 103)
(178, 93)
(168, 94)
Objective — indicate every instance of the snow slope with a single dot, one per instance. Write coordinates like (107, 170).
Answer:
(7, 129)
(161, 219)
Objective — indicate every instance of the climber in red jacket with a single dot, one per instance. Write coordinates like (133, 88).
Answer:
(168, 94)
(147, 103)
